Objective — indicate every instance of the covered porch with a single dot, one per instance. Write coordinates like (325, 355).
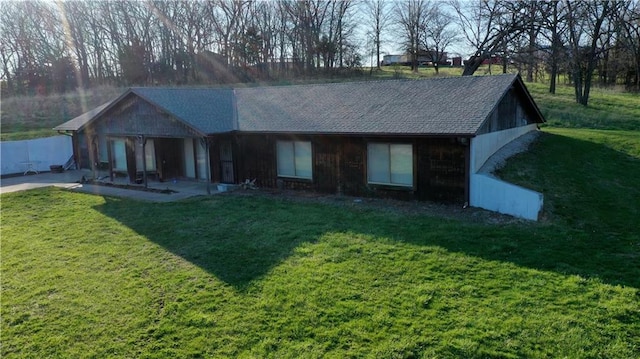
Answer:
(140, 159)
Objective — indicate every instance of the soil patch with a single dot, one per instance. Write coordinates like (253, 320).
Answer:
(127, 186)
(406, 208)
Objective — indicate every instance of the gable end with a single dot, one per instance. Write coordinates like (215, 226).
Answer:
(133, 116)
(511, 112)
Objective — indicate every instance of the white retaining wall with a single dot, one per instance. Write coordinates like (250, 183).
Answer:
(484, 146)
(495, 195)
(487, 191)
(15, 156)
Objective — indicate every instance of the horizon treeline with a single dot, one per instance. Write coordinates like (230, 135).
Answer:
(48, 46)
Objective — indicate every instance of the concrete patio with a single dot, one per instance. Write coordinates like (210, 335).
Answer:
(72, 180)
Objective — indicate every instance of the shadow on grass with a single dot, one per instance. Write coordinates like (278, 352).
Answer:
(591, 190)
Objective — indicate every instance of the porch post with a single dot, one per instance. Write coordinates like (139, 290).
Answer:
(110, 156)
(92, 155)
(143, 142)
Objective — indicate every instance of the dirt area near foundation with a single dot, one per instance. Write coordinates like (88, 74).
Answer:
(405, 208)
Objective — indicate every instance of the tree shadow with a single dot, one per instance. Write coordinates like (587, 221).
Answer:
(239, 239)
(239, 252)
(236, 239)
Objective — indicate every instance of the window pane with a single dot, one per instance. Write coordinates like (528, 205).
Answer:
(119, 155)
(378, 163)
(401, 164)
(285, 159)
(150, 153)
(303, 159)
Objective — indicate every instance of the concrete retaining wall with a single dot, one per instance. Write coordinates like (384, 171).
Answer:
(16, 156)
(495, 195)
(484, 146)
(488, 192)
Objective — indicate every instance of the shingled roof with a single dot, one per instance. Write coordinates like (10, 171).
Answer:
(80, 121)
(205, 109)
(439, 106)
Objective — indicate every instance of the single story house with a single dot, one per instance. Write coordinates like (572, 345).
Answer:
(406, 139)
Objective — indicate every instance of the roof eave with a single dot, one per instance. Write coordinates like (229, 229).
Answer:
(358, 134)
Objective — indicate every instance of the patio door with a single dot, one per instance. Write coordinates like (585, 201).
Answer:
(119, 155)
(226, 162)
(201, 161)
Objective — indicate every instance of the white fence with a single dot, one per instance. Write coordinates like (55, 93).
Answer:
(38, 154)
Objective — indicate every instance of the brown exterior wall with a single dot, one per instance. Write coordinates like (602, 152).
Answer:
(510, 112)
(340, 166)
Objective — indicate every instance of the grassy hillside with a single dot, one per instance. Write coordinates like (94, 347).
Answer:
(26, 117)
(608, 109)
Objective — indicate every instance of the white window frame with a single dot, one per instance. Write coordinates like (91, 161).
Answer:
(294, 160)
(390, 147)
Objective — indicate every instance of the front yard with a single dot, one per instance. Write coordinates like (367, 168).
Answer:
(264, 276)
(261, 276)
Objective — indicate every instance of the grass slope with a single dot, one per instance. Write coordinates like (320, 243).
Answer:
(608, 109)
(27, 117)
(234, 276)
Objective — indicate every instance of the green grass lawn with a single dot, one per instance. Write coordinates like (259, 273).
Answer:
(234, 276)
(608, 109)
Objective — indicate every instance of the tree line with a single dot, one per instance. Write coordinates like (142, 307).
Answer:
(59, 46)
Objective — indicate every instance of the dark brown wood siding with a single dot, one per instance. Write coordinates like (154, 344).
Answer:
(441, 169)
(509, 113)
(134, 116)
(340, 166)
(169, 158)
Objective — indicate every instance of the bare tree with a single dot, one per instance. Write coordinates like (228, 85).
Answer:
(487, 26)
(438, 35)
(629, 20)
(378, 16)
(554, 29)
(412, 17)
(586, 22)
